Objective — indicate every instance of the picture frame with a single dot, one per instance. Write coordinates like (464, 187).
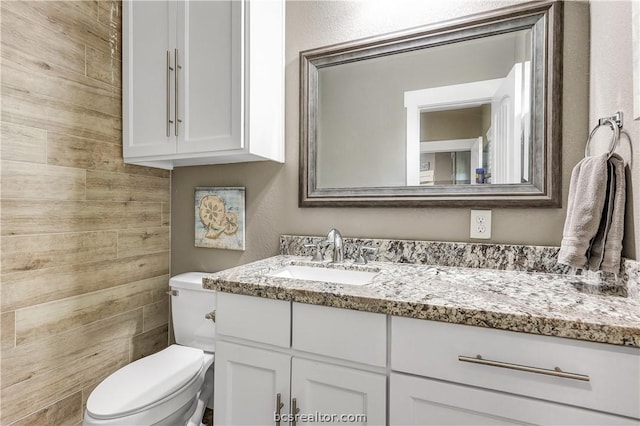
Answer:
(220, 217)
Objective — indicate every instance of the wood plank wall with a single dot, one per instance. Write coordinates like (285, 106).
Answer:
(84, 237)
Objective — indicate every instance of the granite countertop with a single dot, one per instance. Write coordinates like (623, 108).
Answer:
(531, 302)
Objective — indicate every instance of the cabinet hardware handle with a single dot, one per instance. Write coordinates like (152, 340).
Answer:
(279, 405)
(211, 316)
(169, 69)
(317, 256)
(176, 67)
(361, 254)
(294, 410)
(557, 372)
(172, 292)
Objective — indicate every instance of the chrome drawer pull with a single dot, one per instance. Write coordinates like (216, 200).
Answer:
(211, 316)
(557, 372)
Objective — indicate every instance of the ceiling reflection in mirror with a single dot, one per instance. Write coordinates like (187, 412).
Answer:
(451, 115)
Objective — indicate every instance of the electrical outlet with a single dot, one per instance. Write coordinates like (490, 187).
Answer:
(480, 224)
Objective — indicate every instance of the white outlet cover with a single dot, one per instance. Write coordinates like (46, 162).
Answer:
(480, 224)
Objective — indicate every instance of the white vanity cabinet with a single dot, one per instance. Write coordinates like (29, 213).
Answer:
(457, 374)
(256, 366)
(325, 361)
(203, 82)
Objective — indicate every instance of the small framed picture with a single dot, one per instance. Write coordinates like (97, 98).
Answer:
(220, 217)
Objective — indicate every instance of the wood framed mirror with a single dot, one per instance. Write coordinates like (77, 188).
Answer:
(463, 113)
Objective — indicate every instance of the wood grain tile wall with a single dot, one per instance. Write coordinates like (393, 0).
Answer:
(84, 238)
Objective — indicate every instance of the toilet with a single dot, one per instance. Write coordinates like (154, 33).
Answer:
(171, 387)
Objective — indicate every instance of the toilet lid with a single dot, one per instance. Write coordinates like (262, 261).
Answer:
(145, 381)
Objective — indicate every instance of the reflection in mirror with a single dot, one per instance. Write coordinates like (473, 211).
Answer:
(456, 113)
(483, 125)
(438, 93)
(452, 146)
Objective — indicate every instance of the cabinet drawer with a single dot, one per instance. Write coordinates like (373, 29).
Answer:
(340, 333)
(420, 401)
(432, 349)
(254, 318)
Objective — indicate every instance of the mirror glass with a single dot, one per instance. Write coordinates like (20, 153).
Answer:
(428, 117)
(435, 116)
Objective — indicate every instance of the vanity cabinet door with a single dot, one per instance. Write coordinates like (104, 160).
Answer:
(248, 382)
(331, 390)
(421, 401)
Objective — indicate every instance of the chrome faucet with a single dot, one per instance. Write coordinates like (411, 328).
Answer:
(334, 237)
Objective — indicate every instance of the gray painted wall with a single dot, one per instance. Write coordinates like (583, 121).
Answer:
(272, 189)
(611, 89)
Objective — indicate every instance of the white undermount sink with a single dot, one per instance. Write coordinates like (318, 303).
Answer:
(329, 275)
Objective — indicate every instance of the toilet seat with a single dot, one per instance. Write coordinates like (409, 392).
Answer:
(146, 382)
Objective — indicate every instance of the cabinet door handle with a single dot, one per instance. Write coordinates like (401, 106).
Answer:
(557, 372)
(294, 410)
(176, 67)
(279, 405)
(169, 69)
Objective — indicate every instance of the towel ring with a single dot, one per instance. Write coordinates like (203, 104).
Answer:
(615, 123)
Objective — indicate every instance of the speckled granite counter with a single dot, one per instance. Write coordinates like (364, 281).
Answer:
(507, 257)
(531, 302)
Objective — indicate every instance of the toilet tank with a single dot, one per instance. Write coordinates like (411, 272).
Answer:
(189, 305)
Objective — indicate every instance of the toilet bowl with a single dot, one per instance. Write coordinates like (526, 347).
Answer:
(171, 387)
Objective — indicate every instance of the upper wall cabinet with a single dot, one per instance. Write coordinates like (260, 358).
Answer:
(203, 82)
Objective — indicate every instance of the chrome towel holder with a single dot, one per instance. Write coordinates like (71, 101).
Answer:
(615, 122)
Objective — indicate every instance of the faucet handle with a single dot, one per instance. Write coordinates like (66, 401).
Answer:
(317, 257)
(361, 257)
